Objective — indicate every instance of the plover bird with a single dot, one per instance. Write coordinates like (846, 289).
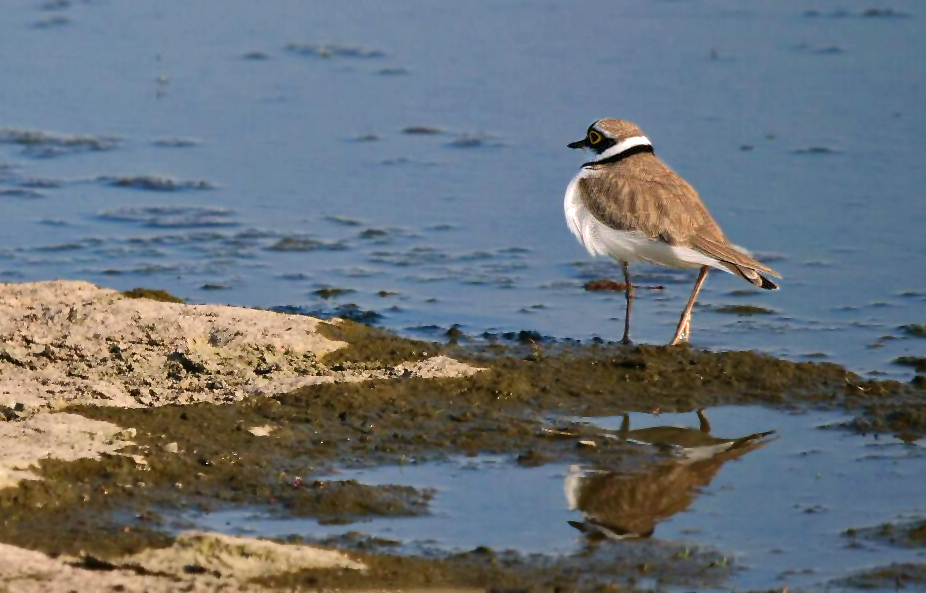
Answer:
(629, 205)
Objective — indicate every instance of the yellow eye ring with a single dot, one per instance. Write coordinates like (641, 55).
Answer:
(594, 137)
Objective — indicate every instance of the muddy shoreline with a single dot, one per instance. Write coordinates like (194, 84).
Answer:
(278, 449)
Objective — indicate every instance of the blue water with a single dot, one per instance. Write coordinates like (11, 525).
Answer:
(801, 125)
(777, 513)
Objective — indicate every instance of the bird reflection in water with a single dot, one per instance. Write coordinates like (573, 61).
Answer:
(629, 504)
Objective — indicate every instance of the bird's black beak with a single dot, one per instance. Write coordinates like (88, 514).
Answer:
(583, 143)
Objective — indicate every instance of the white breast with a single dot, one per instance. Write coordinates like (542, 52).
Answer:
(600, 239)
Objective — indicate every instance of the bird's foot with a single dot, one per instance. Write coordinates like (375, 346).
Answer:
(626, 341)
(682, 333)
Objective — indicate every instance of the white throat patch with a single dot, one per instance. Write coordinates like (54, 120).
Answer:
(623, 145)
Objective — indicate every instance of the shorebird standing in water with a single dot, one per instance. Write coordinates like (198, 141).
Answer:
(629, 205)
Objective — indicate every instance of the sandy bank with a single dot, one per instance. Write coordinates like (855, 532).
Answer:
(196, 562)
(64, 343)
(72, 343)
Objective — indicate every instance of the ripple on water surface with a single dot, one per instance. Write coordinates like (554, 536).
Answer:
(171, 216)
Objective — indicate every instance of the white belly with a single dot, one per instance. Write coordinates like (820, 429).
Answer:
(600, 239)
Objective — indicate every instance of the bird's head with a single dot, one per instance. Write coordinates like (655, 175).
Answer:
(606, 133)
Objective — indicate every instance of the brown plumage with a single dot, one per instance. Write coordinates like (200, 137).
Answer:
(641, 193)
(630, 191)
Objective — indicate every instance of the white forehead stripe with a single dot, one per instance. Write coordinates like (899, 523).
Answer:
(623, 145)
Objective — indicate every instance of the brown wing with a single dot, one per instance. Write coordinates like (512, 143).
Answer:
(643, 194)
(727, 253)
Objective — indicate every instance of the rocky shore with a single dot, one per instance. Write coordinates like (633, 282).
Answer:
(117, 408)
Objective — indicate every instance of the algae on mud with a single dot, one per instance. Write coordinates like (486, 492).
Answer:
(366, 343)
(153, 294)
(344, 501)
(891, 578)
(906, 534)
(204, 456)
(490, 570)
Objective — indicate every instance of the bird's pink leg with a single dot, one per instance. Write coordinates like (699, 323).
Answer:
(684, 324)
(629, 296)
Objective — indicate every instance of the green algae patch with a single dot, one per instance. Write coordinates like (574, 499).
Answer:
(892, 577)
(744, 310)
(485, 569)
(910, 534)
(344, 501)
(916, 533)
(152, 294)
(276, 452)
(71, 510)
(906, 420)
(371, 344)
(917, 362)
(330, 293)
(914, 330)
(404, 573)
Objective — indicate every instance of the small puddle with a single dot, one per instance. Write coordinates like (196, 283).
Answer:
(777, 506)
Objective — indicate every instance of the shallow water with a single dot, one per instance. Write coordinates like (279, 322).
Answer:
(778, 511)
(231, 152)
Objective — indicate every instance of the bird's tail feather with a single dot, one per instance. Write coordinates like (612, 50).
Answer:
(754, 277)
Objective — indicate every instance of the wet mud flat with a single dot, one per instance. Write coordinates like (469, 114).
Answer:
(116, 513)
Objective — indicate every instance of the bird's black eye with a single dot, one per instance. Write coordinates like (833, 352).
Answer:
(594, 137)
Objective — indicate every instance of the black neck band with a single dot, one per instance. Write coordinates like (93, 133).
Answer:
(621, 155)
